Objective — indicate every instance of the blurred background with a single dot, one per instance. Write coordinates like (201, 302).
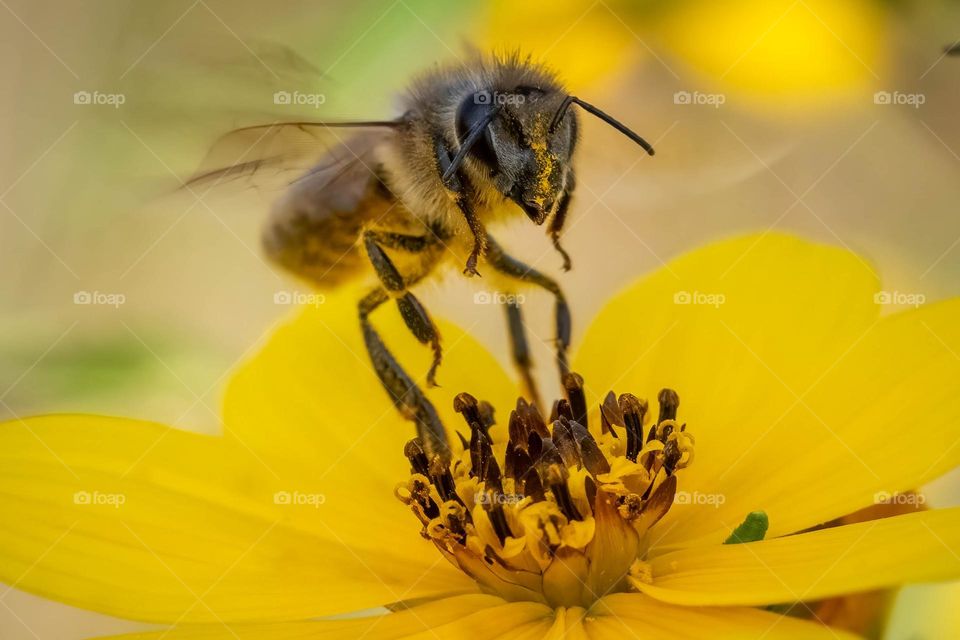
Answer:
(834, 119)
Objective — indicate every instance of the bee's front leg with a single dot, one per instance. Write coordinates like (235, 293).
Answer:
(458, 185)
(560, 217)
(520, 351)
(519, 271)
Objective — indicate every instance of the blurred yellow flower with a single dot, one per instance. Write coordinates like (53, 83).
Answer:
(584, 41)
(806, 405)
(786, 51)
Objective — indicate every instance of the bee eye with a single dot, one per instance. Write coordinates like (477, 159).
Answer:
(472, 110)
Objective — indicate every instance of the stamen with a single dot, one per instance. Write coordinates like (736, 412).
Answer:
(498, 519)
(633, 413)
(414, 452)
(480, 452)
(671, 456)
(610, 414)
(557, 481)
(443, 479)
(573, 385)
(554, 492)
(466, 405)
(566, 445)
(669, 402)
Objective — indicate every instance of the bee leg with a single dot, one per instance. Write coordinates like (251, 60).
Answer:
(520, 351)
(513, 268)
(404, 392)
(458, 186)
(556, 225)
(412, 311)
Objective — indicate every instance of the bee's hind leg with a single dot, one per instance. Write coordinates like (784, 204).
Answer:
(414, 315)
(517, 270)
(404, 392)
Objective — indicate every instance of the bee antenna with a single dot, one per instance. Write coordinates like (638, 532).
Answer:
(606, 117)
(561, 111)
(472, 137)
(953, 49)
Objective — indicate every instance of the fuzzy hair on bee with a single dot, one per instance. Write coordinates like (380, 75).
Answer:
(477, 142)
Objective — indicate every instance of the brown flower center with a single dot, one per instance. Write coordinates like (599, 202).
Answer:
(554, 514)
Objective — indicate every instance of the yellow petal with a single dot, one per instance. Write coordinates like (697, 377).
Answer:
(141, 521)
(788, 54)
(919, 547)
(631, 615)
(310, 408)
(311, 394)
(472, 617)
(739, 329)
(881, 421)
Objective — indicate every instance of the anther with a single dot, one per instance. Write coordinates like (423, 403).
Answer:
(669, 401)
(610, 414)
(530, 418)
(566, 444)
(573, 385)
(666, 430)
(493, 480)
(498, 519)
(593, 459)
(414, 452)
(486, 415)
(671, 456)
(467, 406)
(634, 411)
(420, 492)
(532, 484)
(443, 479)
(557, 481)
(480, 452)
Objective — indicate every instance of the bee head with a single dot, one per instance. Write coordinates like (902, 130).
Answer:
(523, 153)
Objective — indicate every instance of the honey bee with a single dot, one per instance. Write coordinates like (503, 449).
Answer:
(476, 142)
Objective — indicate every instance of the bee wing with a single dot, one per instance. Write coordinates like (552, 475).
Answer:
(274, 156)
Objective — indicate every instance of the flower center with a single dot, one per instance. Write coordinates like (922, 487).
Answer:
(555, 514)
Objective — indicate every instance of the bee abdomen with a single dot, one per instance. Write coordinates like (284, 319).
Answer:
(320, 246)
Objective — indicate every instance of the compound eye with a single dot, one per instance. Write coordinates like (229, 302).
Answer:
(472, 110)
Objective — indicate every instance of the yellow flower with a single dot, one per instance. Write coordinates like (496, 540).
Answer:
(782, 52)
(805, 403)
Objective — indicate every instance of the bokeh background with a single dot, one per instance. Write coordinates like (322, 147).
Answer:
(835, 119)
